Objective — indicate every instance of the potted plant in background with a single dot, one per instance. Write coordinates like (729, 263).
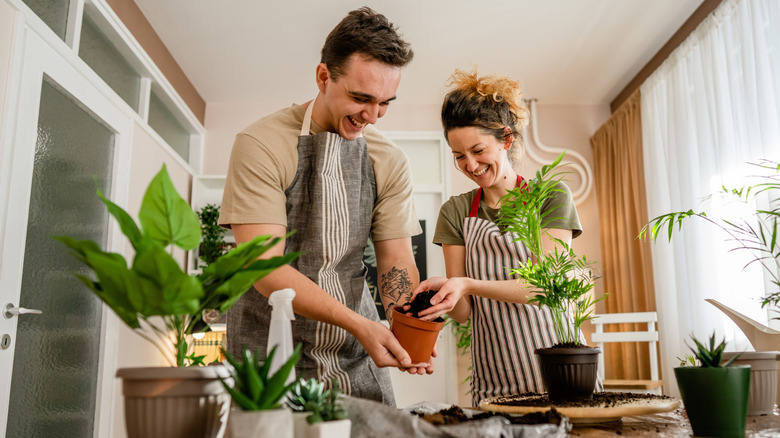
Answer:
(258, 394)
(164, 305)
(562, 281)
(760, 236)
(212, 243)
(715, 394)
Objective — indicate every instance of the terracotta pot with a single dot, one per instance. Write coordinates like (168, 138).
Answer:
(569, 374)
(715, 399)
(763, 379)
(171, 402)
(272, 423)
(418, 337)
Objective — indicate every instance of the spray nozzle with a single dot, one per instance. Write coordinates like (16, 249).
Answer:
(281, 301)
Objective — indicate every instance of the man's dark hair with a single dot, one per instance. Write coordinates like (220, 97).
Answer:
(366, 32)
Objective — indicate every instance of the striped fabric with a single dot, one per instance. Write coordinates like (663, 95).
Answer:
(504, 335)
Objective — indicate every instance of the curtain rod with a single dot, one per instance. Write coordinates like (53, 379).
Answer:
(682, 33)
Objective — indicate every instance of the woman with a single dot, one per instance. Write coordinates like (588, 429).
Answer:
(482, 119)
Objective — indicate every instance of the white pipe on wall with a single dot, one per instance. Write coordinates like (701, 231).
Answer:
(582, 167)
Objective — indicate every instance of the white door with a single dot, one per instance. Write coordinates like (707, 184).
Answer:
(61, 139)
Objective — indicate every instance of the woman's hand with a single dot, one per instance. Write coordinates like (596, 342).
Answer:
(450, 291)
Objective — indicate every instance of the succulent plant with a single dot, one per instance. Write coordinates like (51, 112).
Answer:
(712, 355)
(254, 388)
(305, 394)
(324, 406)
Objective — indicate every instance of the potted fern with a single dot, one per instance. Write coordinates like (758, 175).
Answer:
(561, 280)
(258, 395)
(715, 393)
(166, 306)
(212, 242)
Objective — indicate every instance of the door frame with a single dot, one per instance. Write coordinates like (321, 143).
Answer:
(35, 56)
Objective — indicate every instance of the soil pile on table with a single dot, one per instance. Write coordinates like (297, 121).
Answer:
(421, 302)
(600, 400)
(456, 415)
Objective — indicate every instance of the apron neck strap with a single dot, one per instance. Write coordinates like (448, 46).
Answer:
(477, 199)
(306, 125)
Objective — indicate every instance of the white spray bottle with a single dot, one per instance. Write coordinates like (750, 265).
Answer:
(280, 331)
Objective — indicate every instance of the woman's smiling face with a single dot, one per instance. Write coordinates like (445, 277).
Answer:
(480, 156)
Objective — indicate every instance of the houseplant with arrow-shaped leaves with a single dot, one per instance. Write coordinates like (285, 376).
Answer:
(159, 301)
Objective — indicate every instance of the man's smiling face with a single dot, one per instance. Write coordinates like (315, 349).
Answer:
(357, 97)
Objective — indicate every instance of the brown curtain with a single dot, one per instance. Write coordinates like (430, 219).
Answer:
(627, 272)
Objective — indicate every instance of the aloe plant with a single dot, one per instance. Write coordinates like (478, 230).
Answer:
(254, 387)
(711, 355)
(560, 279)
(154, 285)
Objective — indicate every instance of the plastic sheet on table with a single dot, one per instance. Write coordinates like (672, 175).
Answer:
(373, 419)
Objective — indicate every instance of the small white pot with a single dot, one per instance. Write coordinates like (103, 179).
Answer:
(273, 423)
(763, 379)
(300, 425)
(330, 429)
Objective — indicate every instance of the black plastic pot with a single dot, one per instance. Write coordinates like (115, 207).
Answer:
(715, 399)
(569, 374)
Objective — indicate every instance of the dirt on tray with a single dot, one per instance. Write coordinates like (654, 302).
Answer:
(456, 415)
(600, 400)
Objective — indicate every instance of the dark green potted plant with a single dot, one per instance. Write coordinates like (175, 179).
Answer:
(328, 418)
(562, 281)
(258, 395)
(715, 394)
(164, 305)
(212, 241)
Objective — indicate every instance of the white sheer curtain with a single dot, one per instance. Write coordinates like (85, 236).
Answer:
(710, 108)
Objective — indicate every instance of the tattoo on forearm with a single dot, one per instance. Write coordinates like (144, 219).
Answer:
(395, 286)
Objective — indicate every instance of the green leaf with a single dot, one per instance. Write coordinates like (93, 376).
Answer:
(166, 217)
(254, 384)
(126, 223)
(275, 389)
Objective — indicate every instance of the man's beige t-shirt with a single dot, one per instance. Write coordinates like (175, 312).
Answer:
(264, 161)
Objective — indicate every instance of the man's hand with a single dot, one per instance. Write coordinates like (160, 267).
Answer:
(381, 345)
(423, 368)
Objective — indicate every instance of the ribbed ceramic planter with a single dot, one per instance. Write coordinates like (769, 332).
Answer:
(763, 379)
(171, 402)
(418, 337)
(272, 423)
(569, 374)
(715, 399)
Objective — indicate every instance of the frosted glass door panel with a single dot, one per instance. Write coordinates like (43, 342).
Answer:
(101, 54)
(56, 397)
(162, 120)
(53, 12)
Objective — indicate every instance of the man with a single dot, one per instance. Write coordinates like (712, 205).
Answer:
(322, 170)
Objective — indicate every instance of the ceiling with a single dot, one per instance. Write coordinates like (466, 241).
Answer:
(580, 52)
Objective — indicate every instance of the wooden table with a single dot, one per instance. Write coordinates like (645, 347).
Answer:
(671, 424)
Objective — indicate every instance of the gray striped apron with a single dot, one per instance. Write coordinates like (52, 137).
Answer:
(329, 205)
(504, 335)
